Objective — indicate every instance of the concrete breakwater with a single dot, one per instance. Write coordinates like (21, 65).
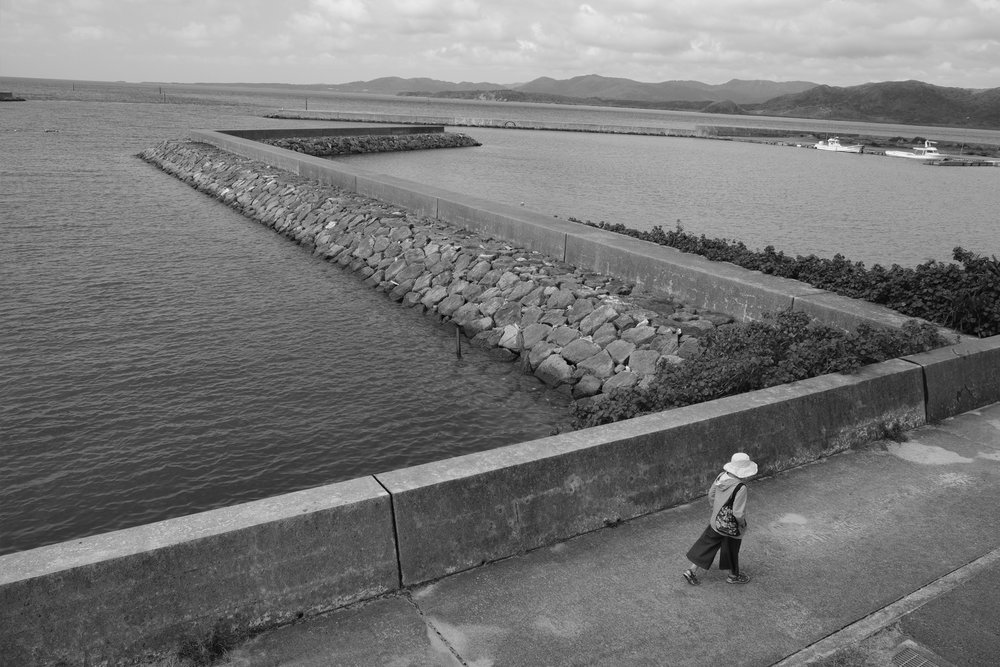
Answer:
(466, 121)
(356, 144)
(580, 332)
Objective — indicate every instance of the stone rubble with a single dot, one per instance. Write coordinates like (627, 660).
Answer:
(372, 143)
(579, 332)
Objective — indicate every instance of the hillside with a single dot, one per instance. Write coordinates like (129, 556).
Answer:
(906, 102)
(600, 87)
(590, 87)
(394, 85)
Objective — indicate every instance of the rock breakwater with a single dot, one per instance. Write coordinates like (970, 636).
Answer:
(372, 143)
(577, 331)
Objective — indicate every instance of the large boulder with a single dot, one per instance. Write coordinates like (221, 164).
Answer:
(539, 352)
(605, 334)
(554, 371)
(620, 350)
(664, 343)
(410, 272)
(695, 328)
(522, 289)
(560, 299)
(450, 304)
(473, 292)
(596, 319)
(508, 280)
(509, 313)
(599, 365)
(511, 338)
(534, 333)
(492, 305)
(620, 381)
(563, 335)
(434, 296)
(477, 272)
(579, 310)
(588, 385)
(466, 313)
(580, 349)
(535, 297)
(643, 362)
(639, 335)
(531, 315)
(491, 277)
(554, 318)
(474, 327)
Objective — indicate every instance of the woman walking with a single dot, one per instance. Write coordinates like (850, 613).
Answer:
(728, 525)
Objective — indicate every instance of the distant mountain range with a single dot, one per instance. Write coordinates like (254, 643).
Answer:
(906, 102)
(591, 87)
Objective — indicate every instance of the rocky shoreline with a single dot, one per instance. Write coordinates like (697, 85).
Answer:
(579, 332)
(357, 144)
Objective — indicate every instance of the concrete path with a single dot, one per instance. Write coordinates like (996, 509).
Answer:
(889, 555)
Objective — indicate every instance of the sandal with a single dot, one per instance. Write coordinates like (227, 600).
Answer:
(691, 578)
(738, 579)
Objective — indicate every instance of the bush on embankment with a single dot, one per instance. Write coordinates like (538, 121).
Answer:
(738, 358)
(963, 295)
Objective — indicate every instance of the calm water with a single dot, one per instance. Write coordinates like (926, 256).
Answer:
(161, 354)
(868, 208)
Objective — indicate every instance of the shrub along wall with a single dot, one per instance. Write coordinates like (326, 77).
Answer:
(964, 295)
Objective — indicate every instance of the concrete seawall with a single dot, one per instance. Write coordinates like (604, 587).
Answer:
(112, 597)
(471, 121)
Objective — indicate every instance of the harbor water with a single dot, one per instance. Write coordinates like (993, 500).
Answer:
(162, 355)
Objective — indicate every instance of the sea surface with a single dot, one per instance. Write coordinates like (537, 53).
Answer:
(162, 355)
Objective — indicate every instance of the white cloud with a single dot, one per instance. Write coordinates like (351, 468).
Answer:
(842, 42)
(87, 33)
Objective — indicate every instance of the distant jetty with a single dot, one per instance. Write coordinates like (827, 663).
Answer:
(9, 97)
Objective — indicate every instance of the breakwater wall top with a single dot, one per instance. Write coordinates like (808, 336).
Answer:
(470, 121)
(265, 134)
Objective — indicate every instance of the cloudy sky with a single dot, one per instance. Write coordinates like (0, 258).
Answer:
(838, 42)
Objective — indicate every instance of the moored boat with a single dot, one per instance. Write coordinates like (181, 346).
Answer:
(925, 152)
(833, 144)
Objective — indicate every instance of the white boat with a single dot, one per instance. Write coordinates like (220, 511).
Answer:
(925, 152)
(833, 144)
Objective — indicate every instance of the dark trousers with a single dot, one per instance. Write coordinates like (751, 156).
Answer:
(702, 552)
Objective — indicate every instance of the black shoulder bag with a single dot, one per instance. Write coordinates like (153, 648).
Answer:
(725, 522)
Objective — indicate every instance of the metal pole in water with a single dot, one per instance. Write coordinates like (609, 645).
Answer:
(458, 342)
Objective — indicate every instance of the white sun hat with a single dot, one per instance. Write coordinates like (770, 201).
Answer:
(741, 466)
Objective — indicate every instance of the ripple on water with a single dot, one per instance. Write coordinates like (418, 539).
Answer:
(162, 355)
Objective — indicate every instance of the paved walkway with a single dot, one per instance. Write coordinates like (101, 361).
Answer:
(888, 555)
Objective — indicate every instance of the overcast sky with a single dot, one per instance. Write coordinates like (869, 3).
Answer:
(837, 42)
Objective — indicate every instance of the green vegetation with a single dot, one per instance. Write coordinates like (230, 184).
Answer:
(738, 358)
(224, 636)
(964, 295)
